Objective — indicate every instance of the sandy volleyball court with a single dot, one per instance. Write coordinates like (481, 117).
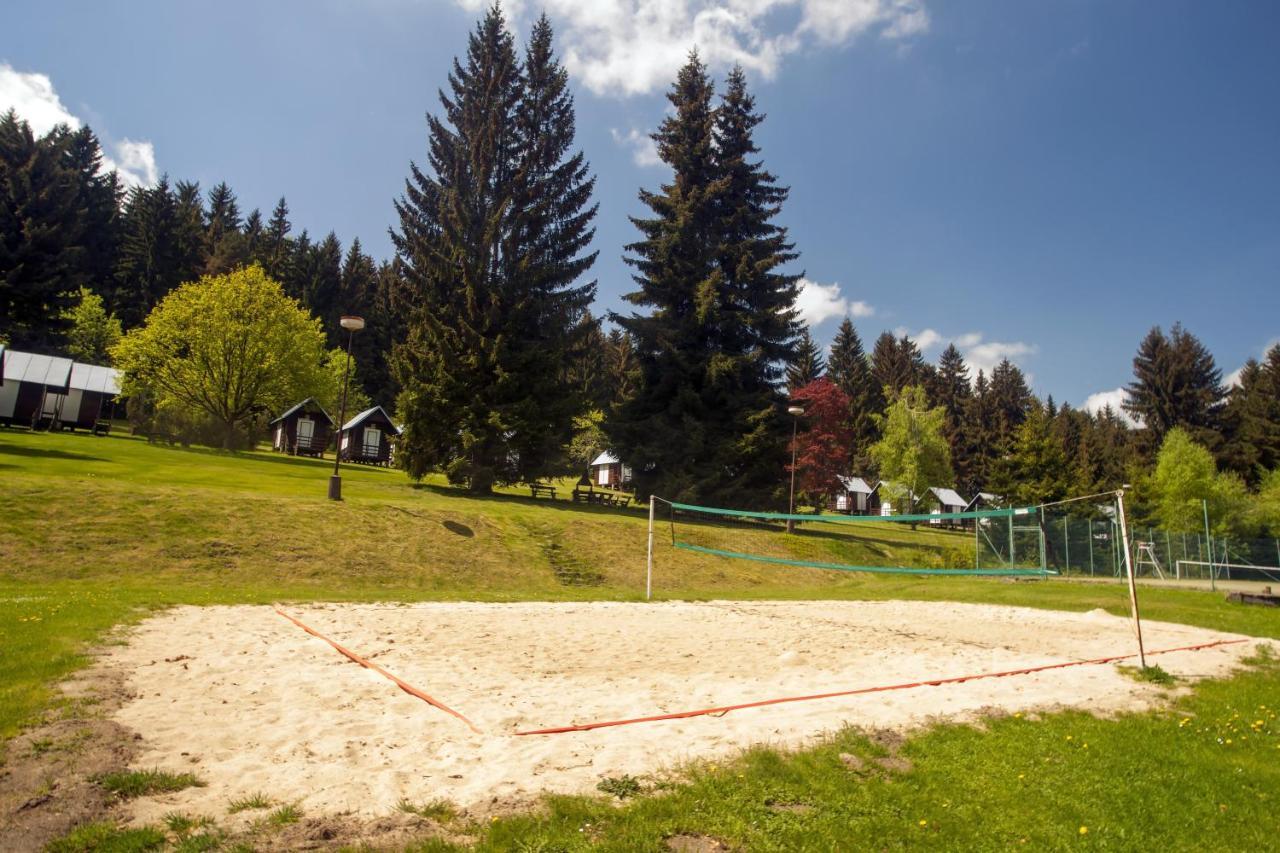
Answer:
(252, 703)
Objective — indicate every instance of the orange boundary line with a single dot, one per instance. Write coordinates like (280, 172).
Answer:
(367, 664)
(724, 709)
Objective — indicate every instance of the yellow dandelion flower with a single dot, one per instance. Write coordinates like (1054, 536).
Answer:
(924, 823)
(1084, 830)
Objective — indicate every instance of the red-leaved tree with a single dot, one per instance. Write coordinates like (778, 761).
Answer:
(825, 442)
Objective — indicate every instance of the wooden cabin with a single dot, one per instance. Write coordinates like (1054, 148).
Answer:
(942, 501)
(608, 472)
(304, 430)
(908, 504)
(856, 497)
(47, 392)
(981, 501)
(367, 437)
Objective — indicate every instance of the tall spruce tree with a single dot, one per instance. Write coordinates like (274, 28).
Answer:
(147, 263)
(274, 252)
(492, 238)
(897, 363)
(41, 253)
(706, 421)
(1176, 383)
(807, 365)
(850, 369)
(1251, 423)
(952, 391)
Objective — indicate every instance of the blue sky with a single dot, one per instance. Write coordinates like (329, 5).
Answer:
(1044, 180)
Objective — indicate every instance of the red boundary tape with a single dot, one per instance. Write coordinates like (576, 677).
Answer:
(403, 685)
(724, 709)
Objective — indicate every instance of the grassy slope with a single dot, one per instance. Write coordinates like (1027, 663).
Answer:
(95, 532)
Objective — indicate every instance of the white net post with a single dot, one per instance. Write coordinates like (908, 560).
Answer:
(648, 574)
(1133, 586)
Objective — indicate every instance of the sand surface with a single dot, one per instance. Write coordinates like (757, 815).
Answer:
(251, 703)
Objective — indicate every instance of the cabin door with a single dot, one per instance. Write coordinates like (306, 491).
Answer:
(603, 476)
(372, 441)
(306, 429)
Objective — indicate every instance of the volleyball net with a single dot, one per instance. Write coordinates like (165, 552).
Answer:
(992, 542)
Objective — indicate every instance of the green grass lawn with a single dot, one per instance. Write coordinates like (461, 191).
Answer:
(97, 532)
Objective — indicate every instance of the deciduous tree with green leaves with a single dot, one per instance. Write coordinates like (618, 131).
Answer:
(1185, 476)
(230, 347)
(912, 453)
(93, 331)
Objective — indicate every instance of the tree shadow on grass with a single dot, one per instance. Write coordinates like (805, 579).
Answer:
(558, 504)
(47, 453)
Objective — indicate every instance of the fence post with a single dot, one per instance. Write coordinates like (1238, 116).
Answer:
(1066, 544)
(1091, 547)
(1213, 574)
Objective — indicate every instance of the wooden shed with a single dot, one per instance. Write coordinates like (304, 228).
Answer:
(982, 500)
(608, 472)
(304, 430)
(944, 502)
(857, 497)
(366, 438)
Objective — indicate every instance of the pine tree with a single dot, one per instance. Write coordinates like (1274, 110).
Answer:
(145, 266)
(706, 420)
(189, 242)
(41, 255)
(1011, 400)
(896, 363)
(672, 430)
(226, 248)
(850, 369)
(322, 289)
(982, 445)
(953, 392)
(1251, 421)
(1176, 383)
(807, 365)
(274, 251)
(491, 240)
(99, 199)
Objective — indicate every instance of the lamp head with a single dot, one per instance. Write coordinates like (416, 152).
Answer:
(795, 411)
(351, 324)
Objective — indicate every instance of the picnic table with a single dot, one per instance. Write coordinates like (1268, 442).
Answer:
(600, 497)
(539, 490)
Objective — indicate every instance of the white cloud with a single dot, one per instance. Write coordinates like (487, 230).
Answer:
(1114, 398)
(978, 352)
(644, 151)
(820, 302)
(36, 101)
(1232, 379)
(986, 355)
(630, 47)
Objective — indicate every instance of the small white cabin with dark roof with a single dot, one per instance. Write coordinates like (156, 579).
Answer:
(857, 497)
(607, 471)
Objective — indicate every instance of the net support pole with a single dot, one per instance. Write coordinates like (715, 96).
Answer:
(1208, 537)
(1133, 585)
(648, 572)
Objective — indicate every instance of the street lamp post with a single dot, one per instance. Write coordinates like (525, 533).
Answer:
(795, 412)
(352, 325)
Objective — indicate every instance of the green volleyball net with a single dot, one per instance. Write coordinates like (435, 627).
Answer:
(990, 542)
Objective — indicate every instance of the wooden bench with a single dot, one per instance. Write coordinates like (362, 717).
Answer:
(540, 490)
(102, 428)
